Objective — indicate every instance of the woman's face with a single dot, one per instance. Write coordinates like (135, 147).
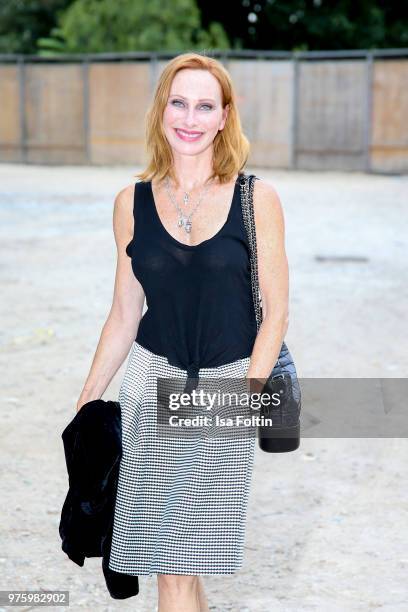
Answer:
(193, 114)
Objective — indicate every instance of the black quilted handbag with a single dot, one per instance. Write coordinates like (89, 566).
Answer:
(284, 433)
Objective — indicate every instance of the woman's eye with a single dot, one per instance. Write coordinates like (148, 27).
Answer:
(181, 102)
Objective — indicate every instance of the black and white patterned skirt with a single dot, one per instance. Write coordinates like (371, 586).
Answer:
(181, 503)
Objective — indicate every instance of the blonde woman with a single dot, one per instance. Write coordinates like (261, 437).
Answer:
(181, 504)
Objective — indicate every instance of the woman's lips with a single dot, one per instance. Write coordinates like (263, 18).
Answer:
(188, 136)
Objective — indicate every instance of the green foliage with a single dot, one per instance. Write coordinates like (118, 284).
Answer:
(52, 45)
(22, 22)
(59, 26)
(326, 24)
(93, 26)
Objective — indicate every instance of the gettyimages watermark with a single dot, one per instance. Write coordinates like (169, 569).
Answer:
(330, 407)
(217, 407)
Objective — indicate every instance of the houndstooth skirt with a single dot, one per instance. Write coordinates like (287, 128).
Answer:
(181, 503)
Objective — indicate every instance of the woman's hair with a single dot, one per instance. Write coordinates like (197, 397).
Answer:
(231, 147)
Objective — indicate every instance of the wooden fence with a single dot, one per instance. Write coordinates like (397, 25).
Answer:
(316, 110)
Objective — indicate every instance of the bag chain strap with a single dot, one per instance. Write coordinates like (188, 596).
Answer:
(248, 216)
(247, 190)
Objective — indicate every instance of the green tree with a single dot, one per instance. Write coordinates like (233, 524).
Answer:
(341, 24)
(22, 22)
(311, 24)
(93, 26)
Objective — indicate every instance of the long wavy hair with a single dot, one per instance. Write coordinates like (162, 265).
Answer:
(230, 146)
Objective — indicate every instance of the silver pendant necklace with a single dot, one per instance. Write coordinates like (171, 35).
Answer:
(184, 220)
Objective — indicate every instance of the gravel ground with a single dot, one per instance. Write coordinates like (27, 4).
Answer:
(326, 523)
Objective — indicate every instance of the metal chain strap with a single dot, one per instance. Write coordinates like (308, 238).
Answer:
(247, 187)
(247, 207)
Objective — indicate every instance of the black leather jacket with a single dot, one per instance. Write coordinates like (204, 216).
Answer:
(93, 449)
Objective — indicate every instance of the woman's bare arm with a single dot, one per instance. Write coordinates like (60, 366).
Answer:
(273, 276)
(120, 328)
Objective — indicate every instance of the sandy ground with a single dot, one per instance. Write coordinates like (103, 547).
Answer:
(327, 524)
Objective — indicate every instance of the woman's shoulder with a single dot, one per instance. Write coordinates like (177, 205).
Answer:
(123, 211)
(124, 198)
(267, 206)
(265, 194)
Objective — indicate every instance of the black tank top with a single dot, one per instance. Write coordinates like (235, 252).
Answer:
(200, 312)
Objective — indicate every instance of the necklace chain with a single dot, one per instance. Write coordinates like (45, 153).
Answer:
(184, 220)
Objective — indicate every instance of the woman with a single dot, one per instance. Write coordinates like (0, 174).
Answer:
(181, 504)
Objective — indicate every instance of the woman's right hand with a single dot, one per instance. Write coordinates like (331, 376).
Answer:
(120, 328)
(81, 402)
(79, 405)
